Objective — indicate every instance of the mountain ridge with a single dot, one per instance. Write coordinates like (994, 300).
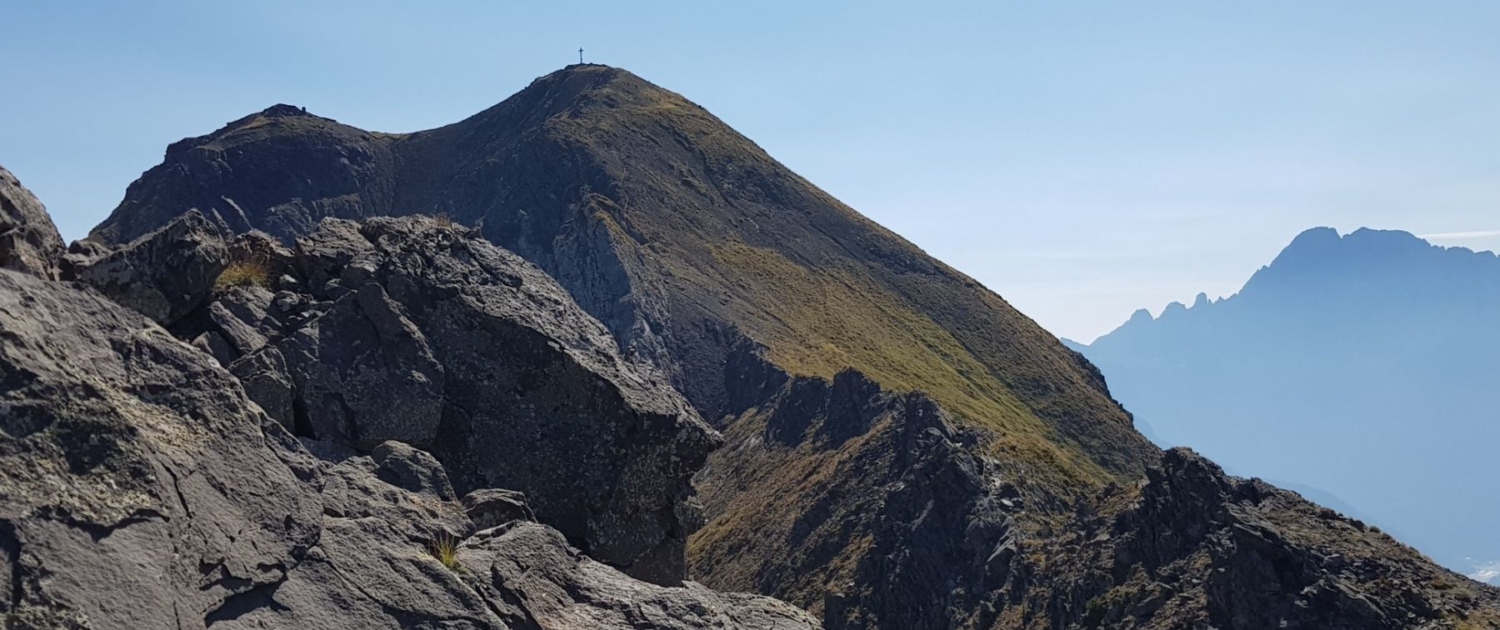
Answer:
(633, 246)
(903, 449)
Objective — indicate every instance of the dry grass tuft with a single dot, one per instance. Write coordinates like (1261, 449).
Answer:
(444, 547)
(244, 273)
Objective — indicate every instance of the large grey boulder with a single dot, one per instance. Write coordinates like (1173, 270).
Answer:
(267, 381)
(29, 242)
(538, 397)
(365, 374)
(164, 274)
(241, 315)
(562, 589)
(429, 334)
(139, 488)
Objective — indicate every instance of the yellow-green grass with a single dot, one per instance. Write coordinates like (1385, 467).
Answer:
(243, 274)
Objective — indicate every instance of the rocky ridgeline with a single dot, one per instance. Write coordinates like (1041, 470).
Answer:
(1192, 547)
(143, 486)
(892, 521)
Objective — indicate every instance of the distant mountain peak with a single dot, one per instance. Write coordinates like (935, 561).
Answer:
(1314, 245)
(1375, 341)
(1313, 237)
(282, 110)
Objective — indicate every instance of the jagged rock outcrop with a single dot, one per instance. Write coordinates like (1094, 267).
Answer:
(1195, 548)
(140, 488)
(413, 330)
(29, 242)
(890, 521)
(164, 274)
(863, 505)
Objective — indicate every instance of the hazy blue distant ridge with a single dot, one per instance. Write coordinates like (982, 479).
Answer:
(1365, 365)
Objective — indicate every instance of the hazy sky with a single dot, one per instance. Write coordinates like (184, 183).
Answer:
(1083, 159)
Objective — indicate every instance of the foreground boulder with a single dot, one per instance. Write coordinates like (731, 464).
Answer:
(365, 374)
(140, 488)
(164, 274)
(29, 243)
(415, 330)
(563, 589)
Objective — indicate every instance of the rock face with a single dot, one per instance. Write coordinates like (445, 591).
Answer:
(29, 242)
(565, 590)
(891, 522)
(364, 374)
(164, 274)
(427, 334)
(140, 488)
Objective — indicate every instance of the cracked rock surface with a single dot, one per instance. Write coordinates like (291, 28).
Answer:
(140, 488)
(29, 243)
(411, 330)
(138, 485)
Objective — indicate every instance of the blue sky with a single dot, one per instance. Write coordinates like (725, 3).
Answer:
(1083, 159)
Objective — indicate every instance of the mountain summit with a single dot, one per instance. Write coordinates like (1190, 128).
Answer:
(901, 448)
(678, 233)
